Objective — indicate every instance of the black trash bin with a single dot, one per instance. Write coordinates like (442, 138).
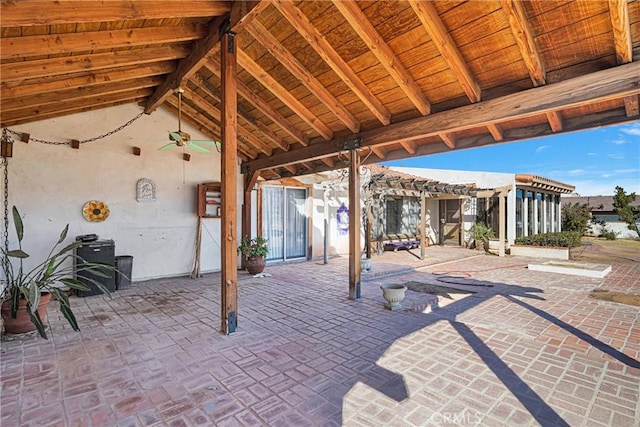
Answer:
(124, 264)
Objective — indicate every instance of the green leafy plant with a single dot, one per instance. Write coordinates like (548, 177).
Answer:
(253, 247)
(57, 268)
(575, 217)
(480, 233)
(563, 239)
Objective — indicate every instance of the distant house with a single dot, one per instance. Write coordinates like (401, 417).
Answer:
(305, 216)
(601, 208)
(532, 205)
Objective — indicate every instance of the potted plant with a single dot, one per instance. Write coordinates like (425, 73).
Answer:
(254, 250)
(26, 293)
(480, 234)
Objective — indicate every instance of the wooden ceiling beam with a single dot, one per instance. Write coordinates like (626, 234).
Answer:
(380, 152)
(24, 70)
(600, 86)
(525, 40)
(313, 37)
(275, 48)
(82, 80)
(77, 94)
(50, 12)
(328, 161)
(496, 131)
(43, 45)
(206, 106)
(283, 94)
(8, 118)
(66, 112)
(409, 146)
(631, 106)
(365, 30)
(263, 129)
(432, 23)
(262, 105)
(619, 14)
(555, 121)
(449, 139)
(241, 11)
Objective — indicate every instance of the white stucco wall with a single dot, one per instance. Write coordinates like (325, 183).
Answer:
(49, 184)
(338, 244)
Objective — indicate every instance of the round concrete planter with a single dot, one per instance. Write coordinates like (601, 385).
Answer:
(366, 264)
(393, 294)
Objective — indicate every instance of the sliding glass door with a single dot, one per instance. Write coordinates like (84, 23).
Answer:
(284, 222)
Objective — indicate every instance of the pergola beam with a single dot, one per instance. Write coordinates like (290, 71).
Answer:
(613, 83)
(272, 85)
(313, 37)
(275, 48)
(525, 40)
(619, 14)
(51, 12)
(241, 11)
(262, 105)
(432, 23)
(37, 68)
(210, 90)
(363, 28)
(26, 46)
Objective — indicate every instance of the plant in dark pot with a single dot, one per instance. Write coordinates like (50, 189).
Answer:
(254, 251)
(26, 292)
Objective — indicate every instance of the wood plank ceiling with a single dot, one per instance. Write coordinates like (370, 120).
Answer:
(405, 78)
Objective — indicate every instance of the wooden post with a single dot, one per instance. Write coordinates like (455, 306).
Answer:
(229, 282)
(369, 230)
(501, 224)
(423, 225)
(354, 224)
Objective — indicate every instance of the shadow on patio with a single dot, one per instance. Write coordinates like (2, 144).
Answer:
(306, 355)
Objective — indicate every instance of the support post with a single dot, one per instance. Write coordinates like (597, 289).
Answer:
(229, 274)
(501, 224)
(326, 225)
(354, 224)
(423, 225)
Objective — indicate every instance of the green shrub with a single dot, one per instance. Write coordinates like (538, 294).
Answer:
(609, 234)
(563, 239)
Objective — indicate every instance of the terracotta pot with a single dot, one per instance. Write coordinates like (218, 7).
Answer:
(255, 264)
(22, 323)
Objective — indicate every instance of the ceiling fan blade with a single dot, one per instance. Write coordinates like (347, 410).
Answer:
(175, 135)
(198, 148)
(167, 147)
(205, 142)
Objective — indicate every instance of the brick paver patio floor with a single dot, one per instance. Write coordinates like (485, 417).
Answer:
(528, 348)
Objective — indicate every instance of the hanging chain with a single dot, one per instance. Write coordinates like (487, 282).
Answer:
(6, 139)
(44, 141)
(5, 166)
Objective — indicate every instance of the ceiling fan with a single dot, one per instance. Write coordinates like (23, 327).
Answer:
(183, 139)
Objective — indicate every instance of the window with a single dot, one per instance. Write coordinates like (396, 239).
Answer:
(519, 213)
(402, 215)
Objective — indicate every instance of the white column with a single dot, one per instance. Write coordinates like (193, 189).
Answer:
(525, 215)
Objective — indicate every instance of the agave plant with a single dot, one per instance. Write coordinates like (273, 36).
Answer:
(59, 267)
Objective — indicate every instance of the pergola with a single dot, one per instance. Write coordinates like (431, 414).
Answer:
(290, 87)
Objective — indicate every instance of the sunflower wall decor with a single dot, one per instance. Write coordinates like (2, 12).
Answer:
(95, 211)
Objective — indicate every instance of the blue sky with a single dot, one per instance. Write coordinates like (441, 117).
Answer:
(594, 161)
